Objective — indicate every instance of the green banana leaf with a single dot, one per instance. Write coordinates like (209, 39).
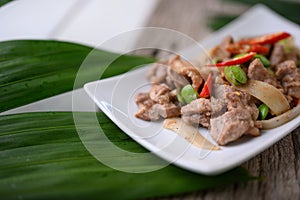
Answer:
(2, 2)
(31, 70)
(43, 157)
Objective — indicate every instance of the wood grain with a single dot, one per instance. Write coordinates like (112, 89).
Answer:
(279, 166)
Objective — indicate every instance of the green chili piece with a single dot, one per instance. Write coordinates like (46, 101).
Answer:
(263, 111)
(235, 75)
(239, 74)
(188, 93)
(265, 61)
(229, 76)
(179, 98)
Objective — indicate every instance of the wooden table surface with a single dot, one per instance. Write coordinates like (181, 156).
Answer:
(280, 164)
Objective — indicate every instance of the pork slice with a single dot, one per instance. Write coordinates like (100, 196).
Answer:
(289, 75)
(158, 111)
(143, 113)
(158, 103)
(196, 119)
(257, 71)
(232, 125)
(144, 103)
(218, 90)
(236, 99)
(157, 73)
(197, 112)
(164, 111)
(293, 54)
(144, 99)
(186, 70)
(239, 118)
(175, 80)
(287, 67)
(277, 55)
(218, 107)
(161, 94)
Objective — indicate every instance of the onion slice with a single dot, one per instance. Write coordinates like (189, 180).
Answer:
(268, 94)
(188, 132)
(281, 119)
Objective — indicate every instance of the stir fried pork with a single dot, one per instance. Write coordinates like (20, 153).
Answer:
(175, 80)
(161, 94)
(240, 118)
(289, 75)
(232, 125)
(176, 74)
(281, 53)
(197, 112)
(157, 73)
(226, 111)
(257, 71)
(277, 54)
(187, 70)
(159, 102)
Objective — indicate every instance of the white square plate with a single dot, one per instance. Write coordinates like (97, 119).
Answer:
(114, 96)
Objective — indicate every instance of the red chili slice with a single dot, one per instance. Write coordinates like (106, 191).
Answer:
(205, 93)
(260, 49)
(237, 48)
(235, 61)
(266, 39)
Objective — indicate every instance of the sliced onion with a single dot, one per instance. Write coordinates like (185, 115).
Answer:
(281, 119)
(188, 132)
(268, 94)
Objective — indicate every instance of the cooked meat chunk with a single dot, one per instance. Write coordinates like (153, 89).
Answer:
(187, 70)
(257, 71)
(281, 53)
(156, 111)
(143, 99)
(176, 74)
(197, 112)
(143, 113)
(218, 88)
(218, 107)
(235, 99)
(239, 119)
(164, 111)
(159, 102)
(194, 75)
(232, 125)
(157, 73)
(277, 54)
(289, 75)
(292, 54)
(175, 80)
(161, 94)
